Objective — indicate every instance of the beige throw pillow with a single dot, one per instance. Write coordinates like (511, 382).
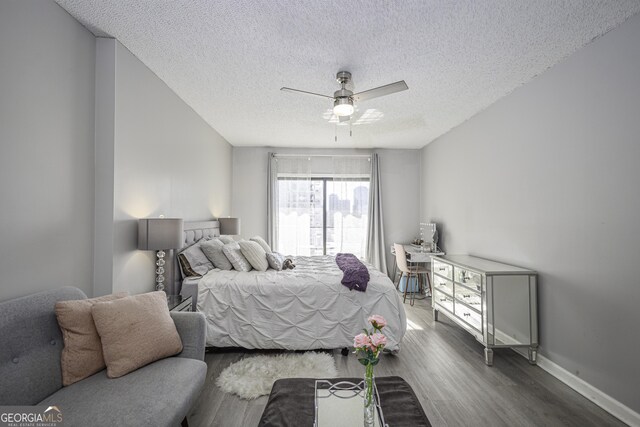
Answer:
(82, 353)
(135, 331)
(259, 240)
(254, 253)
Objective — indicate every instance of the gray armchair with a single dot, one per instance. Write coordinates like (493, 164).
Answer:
(159, 394)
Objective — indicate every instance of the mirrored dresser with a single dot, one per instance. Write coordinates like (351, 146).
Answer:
(495, 302)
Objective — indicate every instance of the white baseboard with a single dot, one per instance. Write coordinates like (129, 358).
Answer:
(600, 398)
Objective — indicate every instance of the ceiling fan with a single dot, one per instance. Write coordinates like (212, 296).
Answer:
(343, 99)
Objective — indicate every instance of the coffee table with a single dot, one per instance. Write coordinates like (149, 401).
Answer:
(292, 403)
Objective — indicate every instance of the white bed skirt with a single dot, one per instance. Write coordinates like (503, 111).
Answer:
(302, 309)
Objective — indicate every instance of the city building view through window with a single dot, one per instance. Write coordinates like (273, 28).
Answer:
(322, 216)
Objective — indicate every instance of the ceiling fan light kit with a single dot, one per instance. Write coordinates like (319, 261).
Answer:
(343, 107)
(343, 98)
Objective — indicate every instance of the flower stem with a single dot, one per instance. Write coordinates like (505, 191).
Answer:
(369, 379)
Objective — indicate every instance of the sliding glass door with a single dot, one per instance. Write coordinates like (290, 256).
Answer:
(322, 216)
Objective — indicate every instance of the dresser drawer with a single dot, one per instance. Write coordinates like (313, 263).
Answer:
(469, 316)
(468, 278)
(442, 269)
(443, 285)
(442, 300)
(469, 297)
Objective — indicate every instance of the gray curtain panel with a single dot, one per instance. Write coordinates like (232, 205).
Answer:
(272, 199)
(375, 249)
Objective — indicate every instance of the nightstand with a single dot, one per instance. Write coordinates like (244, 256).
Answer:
(179, 303)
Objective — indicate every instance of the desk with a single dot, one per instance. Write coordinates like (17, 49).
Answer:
(414, 255)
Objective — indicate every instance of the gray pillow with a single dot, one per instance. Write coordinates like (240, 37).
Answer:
(226, 239)
(259, 240)
(198, 262)
(275, 260)
(254, 253)
(234, 254)
(212, 249)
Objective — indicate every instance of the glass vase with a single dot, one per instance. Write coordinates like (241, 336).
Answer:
(369, 401)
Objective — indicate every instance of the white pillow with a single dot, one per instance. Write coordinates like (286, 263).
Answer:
(212, 249)
(259, 240)
(234, 254)
(254, 253)
(198, 262)
(275, 259)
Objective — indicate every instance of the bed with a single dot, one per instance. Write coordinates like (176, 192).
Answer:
(301, 309)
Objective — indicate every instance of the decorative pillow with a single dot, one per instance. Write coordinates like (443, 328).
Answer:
(213, 250)
(135, 331)
(192, 260)
(226, 239)
(259, 240)
(275, 260)
(234, 254)
(254, 253)
(82, 353)
(185, 268)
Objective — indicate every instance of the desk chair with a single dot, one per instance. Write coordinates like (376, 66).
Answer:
(410, 271)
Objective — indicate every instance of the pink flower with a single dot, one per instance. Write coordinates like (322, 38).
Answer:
(377, 321)
(361, 341)
(378, 340)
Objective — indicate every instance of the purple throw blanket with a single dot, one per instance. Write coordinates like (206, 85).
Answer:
(356, 275)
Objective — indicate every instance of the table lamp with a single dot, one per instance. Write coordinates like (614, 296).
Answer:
(230, 226)
(160, 234)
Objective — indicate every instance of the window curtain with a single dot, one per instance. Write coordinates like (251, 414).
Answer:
(292, 175)
(272, 197)
(348, 200)
(375, 247)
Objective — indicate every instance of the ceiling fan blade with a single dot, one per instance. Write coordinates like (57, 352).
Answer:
(288, 89)
(380, 91)
(342, 119)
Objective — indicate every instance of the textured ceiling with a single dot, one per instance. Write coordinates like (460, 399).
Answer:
(228, 59)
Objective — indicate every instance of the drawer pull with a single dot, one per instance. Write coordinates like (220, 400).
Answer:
(443, 299)
(466, 296)
(466, 314)
(442, 268)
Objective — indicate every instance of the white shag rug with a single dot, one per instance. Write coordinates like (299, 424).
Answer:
(253, 377)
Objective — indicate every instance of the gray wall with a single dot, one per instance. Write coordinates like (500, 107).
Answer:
(166, 160)
(46, 149)
(400, 180)
(547, 178)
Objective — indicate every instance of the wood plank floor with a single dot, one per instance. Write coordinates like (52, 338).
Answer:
(445, 366)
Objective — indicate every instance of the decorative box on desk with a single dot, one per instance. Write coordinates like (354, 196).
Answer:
(495, 302)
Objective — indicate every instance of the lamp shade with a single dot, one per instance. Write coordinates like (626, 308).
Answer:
(229, 226)
(160, 233)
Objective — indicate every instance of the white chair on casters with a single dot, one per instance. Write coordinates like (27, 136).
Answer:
(409, 271)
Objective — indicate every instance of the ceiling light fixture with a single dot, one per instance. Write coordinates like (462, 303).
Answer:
(343, 107)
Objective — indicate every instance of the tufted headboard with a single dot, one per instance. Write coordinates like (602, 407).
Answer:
(193, 231)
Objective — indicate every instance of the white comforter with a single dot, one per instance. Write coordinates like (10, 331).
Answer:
(301, 309)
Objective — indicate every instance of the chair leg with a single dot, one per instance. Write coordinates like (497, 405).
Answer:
(398, 284)
(413, 292)
(429, 281)
(185, 422)
(406, 286)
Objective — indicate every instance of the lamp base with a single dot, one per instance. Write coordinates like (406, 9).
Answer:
(160, 270)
